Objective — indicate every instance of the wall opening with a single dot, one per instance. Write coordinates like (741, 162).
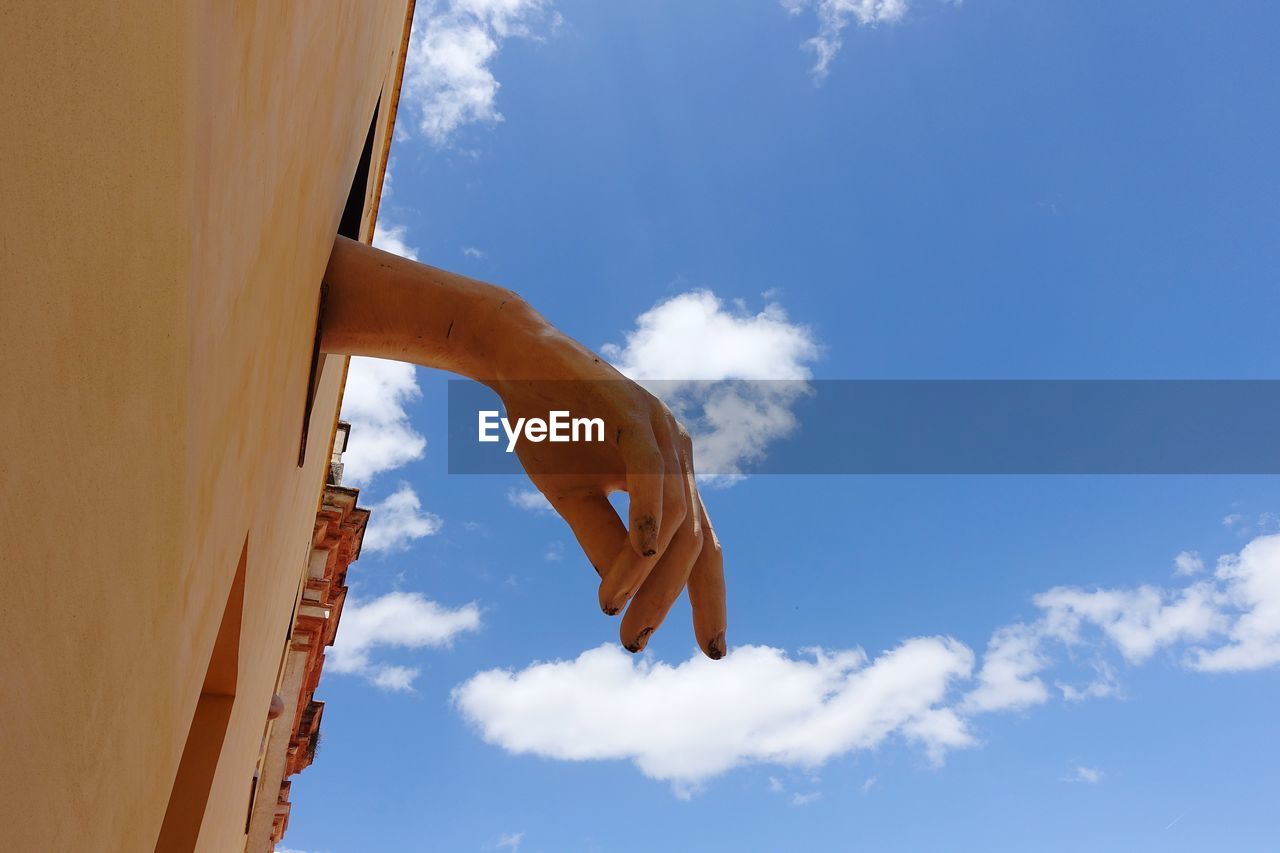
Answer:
(353, 210)
(348, 226)
(191, 787)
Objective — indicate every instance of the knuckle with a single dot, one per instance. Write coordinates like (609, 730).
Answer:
(650, 401)
(651, 461)
(644, 459)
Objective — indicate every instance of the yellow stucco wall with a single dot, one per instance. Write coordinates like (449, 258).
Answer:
(171, 179)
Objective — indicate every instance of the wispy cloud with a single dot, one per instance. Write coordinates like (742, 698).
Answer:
(530, 500)
(1239, 607)
(689, 722)
(1106, 683)
(1188, 563)
(1087, 775)
(510, 841)
(399, 520)
(406, 620)
(448, 79)
(835, 16)
(1247, 525)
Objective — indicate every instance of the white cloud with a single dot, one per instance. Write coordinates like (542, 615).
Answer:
(1007, 679)
(1251, 581)
(392, 677)
(684, 348)
(1138, 621)
(1241, 604)
(696, 336)
(394, 239)
(388, 236)
(1104, 685)
(473, 252)
(398, 619)
(382, 438)
(1088, 775)
(1188, 563)
(869, 784)
(448, 80)
(834, 16)
(689, 722)
(1246, 525)
(554, 552)
(805, 799)
(510, 841)
(692, 721)
(398, 520)
(531, 500)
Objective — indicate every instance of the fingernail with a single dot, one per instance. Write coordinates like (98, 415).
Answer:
(715, 648)
(640, 641)
(613, 607)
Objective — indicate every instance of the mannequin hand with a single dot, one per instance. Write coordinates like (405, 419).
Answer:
(385, 306)
(668, 542)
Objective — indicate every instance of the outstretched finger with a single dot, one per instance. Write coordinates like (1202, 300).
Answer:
(662, 587)
(706, 593)
(644, 464)
(629, 569)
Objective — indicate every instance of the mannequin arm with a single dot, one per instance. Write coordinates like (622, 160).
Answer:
(385, 306)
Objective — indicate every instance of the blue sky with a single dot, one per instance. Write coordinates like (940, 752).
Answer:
(992, 189)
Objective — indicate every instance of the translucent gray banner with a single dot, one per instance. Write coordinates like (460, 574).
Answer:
(746, 427)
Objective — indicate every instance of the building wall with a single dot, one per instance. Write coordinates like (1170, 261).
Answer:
(172, 178)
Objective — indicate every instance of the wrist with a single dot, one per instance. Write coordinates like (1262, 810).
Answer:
(519, 344)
